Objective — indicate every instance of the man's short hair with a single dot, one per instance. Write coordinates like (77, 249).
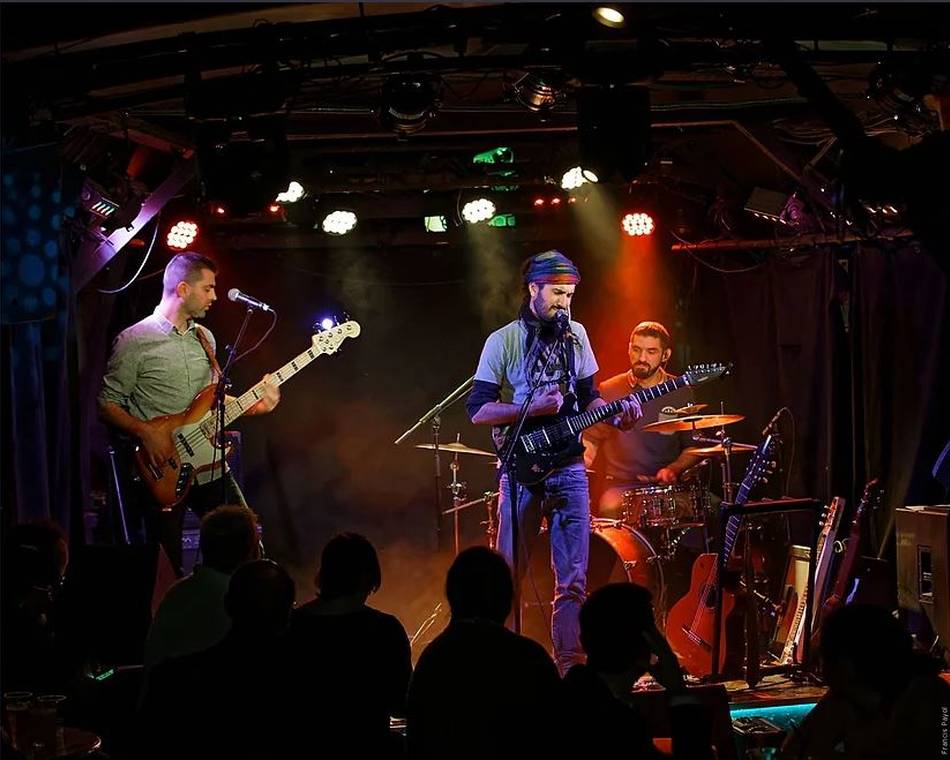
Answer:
(612, 622)
(35, 554)
(653, 330)
(260, 597)
(185, 267)
(228, 537)
(348, 565)
(479, 585)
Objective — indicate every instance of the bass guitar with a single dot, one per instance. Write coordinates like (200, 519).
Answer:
(691, 621)
(849, 560)
(548, 441)
(194, 432)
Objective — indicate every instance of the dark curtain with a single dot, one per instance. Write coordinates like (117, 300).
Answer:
(43, 464)
(776, 321)
(902, 414)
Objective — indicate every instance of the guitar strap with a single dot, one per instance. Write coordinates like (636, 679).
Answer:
(206, 345)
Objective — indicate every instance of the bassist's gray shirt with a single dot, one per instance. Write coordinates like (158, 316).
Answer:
(154, 369)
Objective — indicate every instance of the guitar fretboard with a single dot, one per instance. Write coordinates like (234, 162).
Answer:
(584, 420)
(236, 407)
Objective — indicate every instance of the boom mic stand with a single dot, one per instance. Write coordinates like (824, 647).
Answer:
(434, 415)
(220, 391)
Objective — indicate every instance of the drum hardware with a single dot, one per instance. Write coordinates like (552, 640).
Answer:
(434, 416)
(717, 449)
(684, 411)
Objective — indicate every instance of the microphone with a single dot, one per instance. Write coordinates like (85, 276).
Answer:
(771, 425)
(562, 319)
(236, 295)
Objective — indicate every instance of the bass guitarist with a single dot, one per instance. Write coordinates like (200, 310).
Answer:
(157, 366)
(514, 359)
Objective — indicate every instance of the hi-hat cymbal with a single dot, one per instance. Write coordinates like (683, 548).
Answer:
(709, 451)
(456, 448)
(693, 422)
(690, 409)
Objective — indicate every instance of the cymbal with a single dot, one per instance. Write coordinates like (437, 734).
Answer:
(708, 451)
(456, 448)
(693, 422)
(690, 409)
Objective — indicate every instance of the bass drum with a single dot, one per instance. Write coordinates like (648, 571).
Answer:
(618, 553)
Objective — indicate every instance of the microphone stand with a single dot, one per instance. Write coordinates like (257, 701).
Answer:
(224, 382)
(507, 467)
(434, 415)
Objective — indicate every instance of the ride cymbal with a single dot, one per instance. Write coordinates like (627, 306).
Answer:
(693, 422)
(456, 448)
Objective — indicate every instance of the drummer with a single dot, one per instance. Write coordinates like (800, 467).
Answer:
(636, 458)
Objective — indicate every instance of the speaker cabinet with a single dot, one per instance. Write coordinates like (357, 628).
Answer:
(923, 572)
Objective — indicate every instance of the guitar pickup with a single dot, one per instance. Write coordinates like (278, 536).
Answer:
(187, 446)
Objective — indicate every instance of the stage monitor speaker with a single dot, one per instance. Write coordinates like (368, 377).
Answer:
(923, 573)
(108, 600)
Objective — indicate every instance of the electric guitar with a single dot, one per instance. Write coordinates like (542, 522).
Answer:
(792, 650)
(691, 621)
(548, 441)
(194, 432)
(852, 551)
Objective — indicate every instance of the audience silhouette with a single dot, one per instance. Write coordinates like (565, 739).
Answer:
(480, 690)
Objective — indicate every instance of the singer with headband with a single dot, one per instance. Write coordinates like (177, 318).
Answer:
(156, 367)
(544, 349)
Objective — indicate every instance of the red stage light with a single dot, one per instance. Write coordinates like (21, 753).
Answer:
(555, 201)
(220, 210)
(274, 208)
(539, 202)
(638, 224)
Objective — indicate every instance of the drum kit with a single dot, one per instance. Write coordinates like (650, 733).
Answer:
(641, 542)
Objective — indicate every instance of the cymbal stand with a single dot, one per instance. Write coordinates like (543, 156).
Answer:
(458, 489)
(433, 415)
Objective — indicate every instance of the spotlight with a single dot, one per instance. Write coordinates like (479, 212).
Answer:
(292, 194)
(95, 200)
(478, 210)
(638, 224)
(219, 210)
(181, 235)
(408, 102)
(538, 202)
(339, 222)
(609, 16)
(535, 93)
(326, 323)
(274, 208)
(613, 128)
(576, 176)
(436, 224)
(555, 201)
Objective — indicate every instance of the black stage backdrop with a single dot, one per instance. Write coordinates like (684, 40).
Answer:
(865, 391)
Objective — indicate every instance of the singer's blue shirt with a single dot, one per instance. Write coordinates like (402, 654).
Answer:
(154, 369)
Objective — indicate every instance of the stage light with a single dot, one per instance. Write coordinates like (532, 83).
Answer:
(535, 93)
(220, 210)
(409, 101)
(182, 235)
(576, 176)
(339, 222)
(638, 224)
(538, 202)
(274, 208)
(478, 210)
(436, 224)
(555, 201)
(609, 16)
(95, 200)
(326, 323)
(292, 194)
(502, 220)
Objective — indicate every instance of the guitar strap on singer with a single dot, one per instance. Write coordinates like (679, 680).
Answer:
(206, 345)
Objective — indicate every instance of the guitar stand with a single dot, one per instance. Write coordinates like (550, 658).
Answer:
(755, 509)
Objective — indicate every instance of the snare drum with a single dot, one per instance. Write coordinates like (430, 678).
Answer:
(676, 506)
